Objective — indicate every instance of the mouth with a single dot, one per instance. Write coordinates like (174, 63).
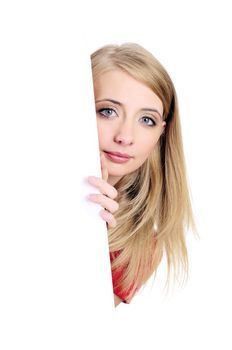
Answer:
(117, 157)
(118, 154)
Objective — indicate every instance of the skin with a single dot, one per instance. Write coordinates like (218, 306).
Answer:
(123, 126)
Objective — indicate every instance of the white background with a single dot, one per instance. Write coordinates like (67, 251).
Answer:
(192, 40)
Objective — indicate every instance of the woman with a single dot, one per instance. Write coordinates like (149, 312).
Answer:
(143, 190)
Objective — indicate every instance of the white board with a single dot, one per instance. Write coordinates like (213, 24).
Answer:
(55, 275)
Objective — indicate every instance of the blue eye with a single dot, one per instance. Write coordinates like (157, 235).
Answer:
(107, 112)
(148, 121)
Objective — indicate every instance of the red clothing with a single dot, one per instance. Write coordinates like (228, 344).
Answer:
(116, 274)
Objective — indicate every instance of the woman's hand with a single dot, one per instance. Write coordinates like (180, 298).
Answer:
(107, 195)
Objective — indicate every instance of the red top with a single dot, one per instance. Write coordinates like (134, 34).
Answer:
(116, 274)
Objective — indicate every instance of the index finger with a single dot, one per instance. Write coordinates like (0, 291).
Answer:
(104, 169)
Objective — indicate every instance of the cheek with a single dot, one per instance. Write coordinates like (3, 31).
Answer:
(103, 136)
(99, 131)
(150, 144)
(100, 137)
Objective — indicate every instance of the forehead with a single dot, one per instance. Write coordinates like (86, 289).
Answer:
(121, 86)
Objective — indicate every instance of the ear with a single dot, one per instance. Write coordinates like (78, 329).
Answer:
(163, 126)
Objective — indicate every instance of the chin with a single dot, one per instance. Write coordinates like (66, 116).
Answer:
(120, 174)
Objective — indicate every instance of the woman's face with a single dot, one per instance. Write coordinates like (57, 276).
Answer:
(129, 121)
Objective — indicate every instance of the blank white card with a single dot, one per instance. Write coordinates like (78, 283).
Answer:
(55, 279)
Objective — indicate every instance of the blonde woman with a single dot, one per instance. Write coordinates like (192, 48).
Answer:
(143, 190)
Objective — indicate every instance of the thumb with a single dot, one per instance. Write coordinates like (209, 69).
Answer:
(104, 169)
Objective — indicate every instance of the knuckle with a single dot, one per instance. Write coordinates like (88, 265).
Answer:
(116, 206)
(96, 197)
(114, 193)
(113, 222)
(110, 216)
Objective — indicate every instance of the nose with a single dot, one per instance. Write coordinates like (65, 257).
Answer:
(124, 135)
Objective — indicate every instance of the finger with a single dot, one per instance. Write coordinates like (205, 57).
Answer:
(104, 169)
(103, 186)
(106, 202)
(109, 218)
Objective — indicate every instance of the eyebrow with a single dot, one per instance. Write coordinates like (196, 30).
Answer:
(120, 104)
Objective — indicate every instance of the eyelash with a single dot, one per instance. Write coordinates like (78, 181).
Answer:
(106, 109)
(111, 109)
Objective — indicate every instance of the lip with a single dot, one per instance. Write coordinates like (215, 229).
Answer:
(117, 157)
(118, 154)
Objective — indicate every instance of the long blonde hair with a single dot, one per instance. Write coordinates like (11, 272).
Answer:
(154, 202)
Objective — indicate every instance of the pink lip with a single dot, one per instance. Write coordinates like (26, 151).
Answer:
(117, 157)
(118, 154)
